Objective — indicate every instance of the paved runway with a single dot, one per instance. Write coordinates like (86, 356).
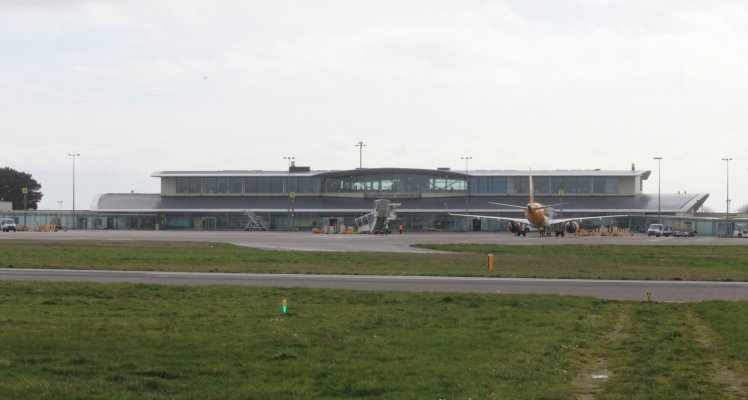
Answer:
(306, 241)
(669, 291)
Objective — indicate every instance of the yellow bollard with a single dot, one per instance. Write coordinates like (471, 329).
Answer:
(490, 262)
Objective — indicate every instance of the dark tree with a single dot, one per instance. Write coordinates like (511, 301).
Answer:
(12, 183)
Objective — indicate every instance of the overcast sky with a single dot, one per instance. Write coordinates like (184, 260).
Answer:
(137, 86)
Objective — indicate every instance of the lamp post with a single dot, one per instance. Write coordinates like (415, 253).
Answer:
(25, 192)
(727, 200)
(289, 158)
(74, 155)
(360, 146)
(659, 190)
(288, 184)
(60, 203)
(466, 158)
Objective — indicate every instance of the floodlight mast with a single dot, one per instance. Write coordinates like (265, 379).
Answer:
(360, 146)
(466, 158)
(659, 190)
(727, 199)
(74, 155)
(289, 213)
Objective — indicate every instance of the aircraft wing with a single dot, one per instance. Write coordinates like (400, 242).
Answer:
(565, 220)
(520, 220)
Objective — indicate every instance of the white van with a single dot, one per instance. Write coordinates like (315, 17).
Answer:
(8, 224)
(740, 232)
(655, 229)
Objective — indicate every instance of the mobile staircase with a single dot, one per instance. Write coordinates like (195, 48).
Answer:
(255, 222)
(376, 221)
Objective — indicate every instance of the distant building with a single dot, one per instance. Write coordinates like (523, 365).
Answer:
(302, 199)
(6, 206)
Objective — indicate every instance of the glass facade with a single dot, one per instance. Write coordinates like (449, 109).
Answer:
(394, 183)
(397, 183)
(236, 185)
(248, 185)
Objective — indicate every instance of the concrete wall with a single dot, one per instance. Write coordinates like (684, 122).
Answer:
(628, 186)
(168, 186)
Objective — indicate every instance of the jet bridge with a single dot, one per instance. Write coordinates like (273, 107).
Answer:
(375, 221)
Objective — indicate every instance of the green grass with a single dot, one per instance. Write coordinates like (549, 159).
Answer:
(591, 262)
(723, 317)
(121, 341)
(614, 262)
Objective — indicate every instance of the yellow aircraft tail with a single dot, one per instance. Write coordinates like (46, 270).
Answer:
(532, 192)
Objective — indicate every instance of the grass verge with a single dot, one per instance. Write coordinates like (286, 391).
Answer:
(614, 261)
(119, 341)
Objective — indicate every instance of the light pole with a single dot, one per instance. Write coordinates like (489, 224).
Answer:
(60, 203)
(659, 190)
(288, 184)
(74, 155)
(466, 158)
(727, 200)
(289, 158)
(360, 146)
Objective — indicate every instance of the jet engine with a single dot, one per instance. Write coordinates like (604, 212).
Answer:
(571, 227)
(514, 227)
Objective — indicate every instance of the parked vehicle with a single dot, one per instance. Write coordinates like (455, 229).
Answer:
(656, 230)
(685, 233)
(740, 232)
(8, 224)
(668, 232)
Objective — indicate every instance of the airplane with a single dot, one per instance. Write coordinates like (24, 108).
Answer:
(537, 216)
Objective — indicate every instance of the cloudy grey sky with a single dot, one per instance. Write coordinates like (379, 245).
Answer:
(139, 86)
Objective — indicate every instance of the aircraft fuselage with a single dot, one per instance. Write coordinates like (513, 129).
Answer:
(535, 214)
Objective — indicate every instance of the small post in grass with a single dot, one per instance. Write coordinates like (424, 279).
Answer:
(284, 306)
(649, 295)
(490, 262)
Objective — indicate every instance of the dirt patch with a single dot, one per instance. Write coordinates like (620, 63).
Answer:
(592, 379)
(619, 329)
(733, 383)
(727, 376)
(588, 384)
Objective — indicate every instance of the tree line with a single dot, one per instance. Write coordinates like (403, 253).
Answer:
(12, 184)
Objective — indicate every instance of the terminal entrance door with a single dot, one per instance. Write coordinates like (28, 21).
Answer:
(209, 224)
(476, 225)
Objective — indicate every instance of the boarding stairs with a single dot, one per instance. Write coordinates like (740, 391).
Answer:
(375, 221)
(255, 222)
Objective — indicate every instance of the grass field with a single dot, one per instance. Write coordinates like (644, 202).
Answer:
(592, 262)
(64, 340)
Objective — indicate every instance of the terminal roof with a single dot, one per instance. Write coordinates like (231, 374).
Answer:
(359, 171)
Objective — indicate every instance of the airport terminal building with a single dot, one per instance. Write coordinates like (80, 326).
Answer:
(302, 199)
